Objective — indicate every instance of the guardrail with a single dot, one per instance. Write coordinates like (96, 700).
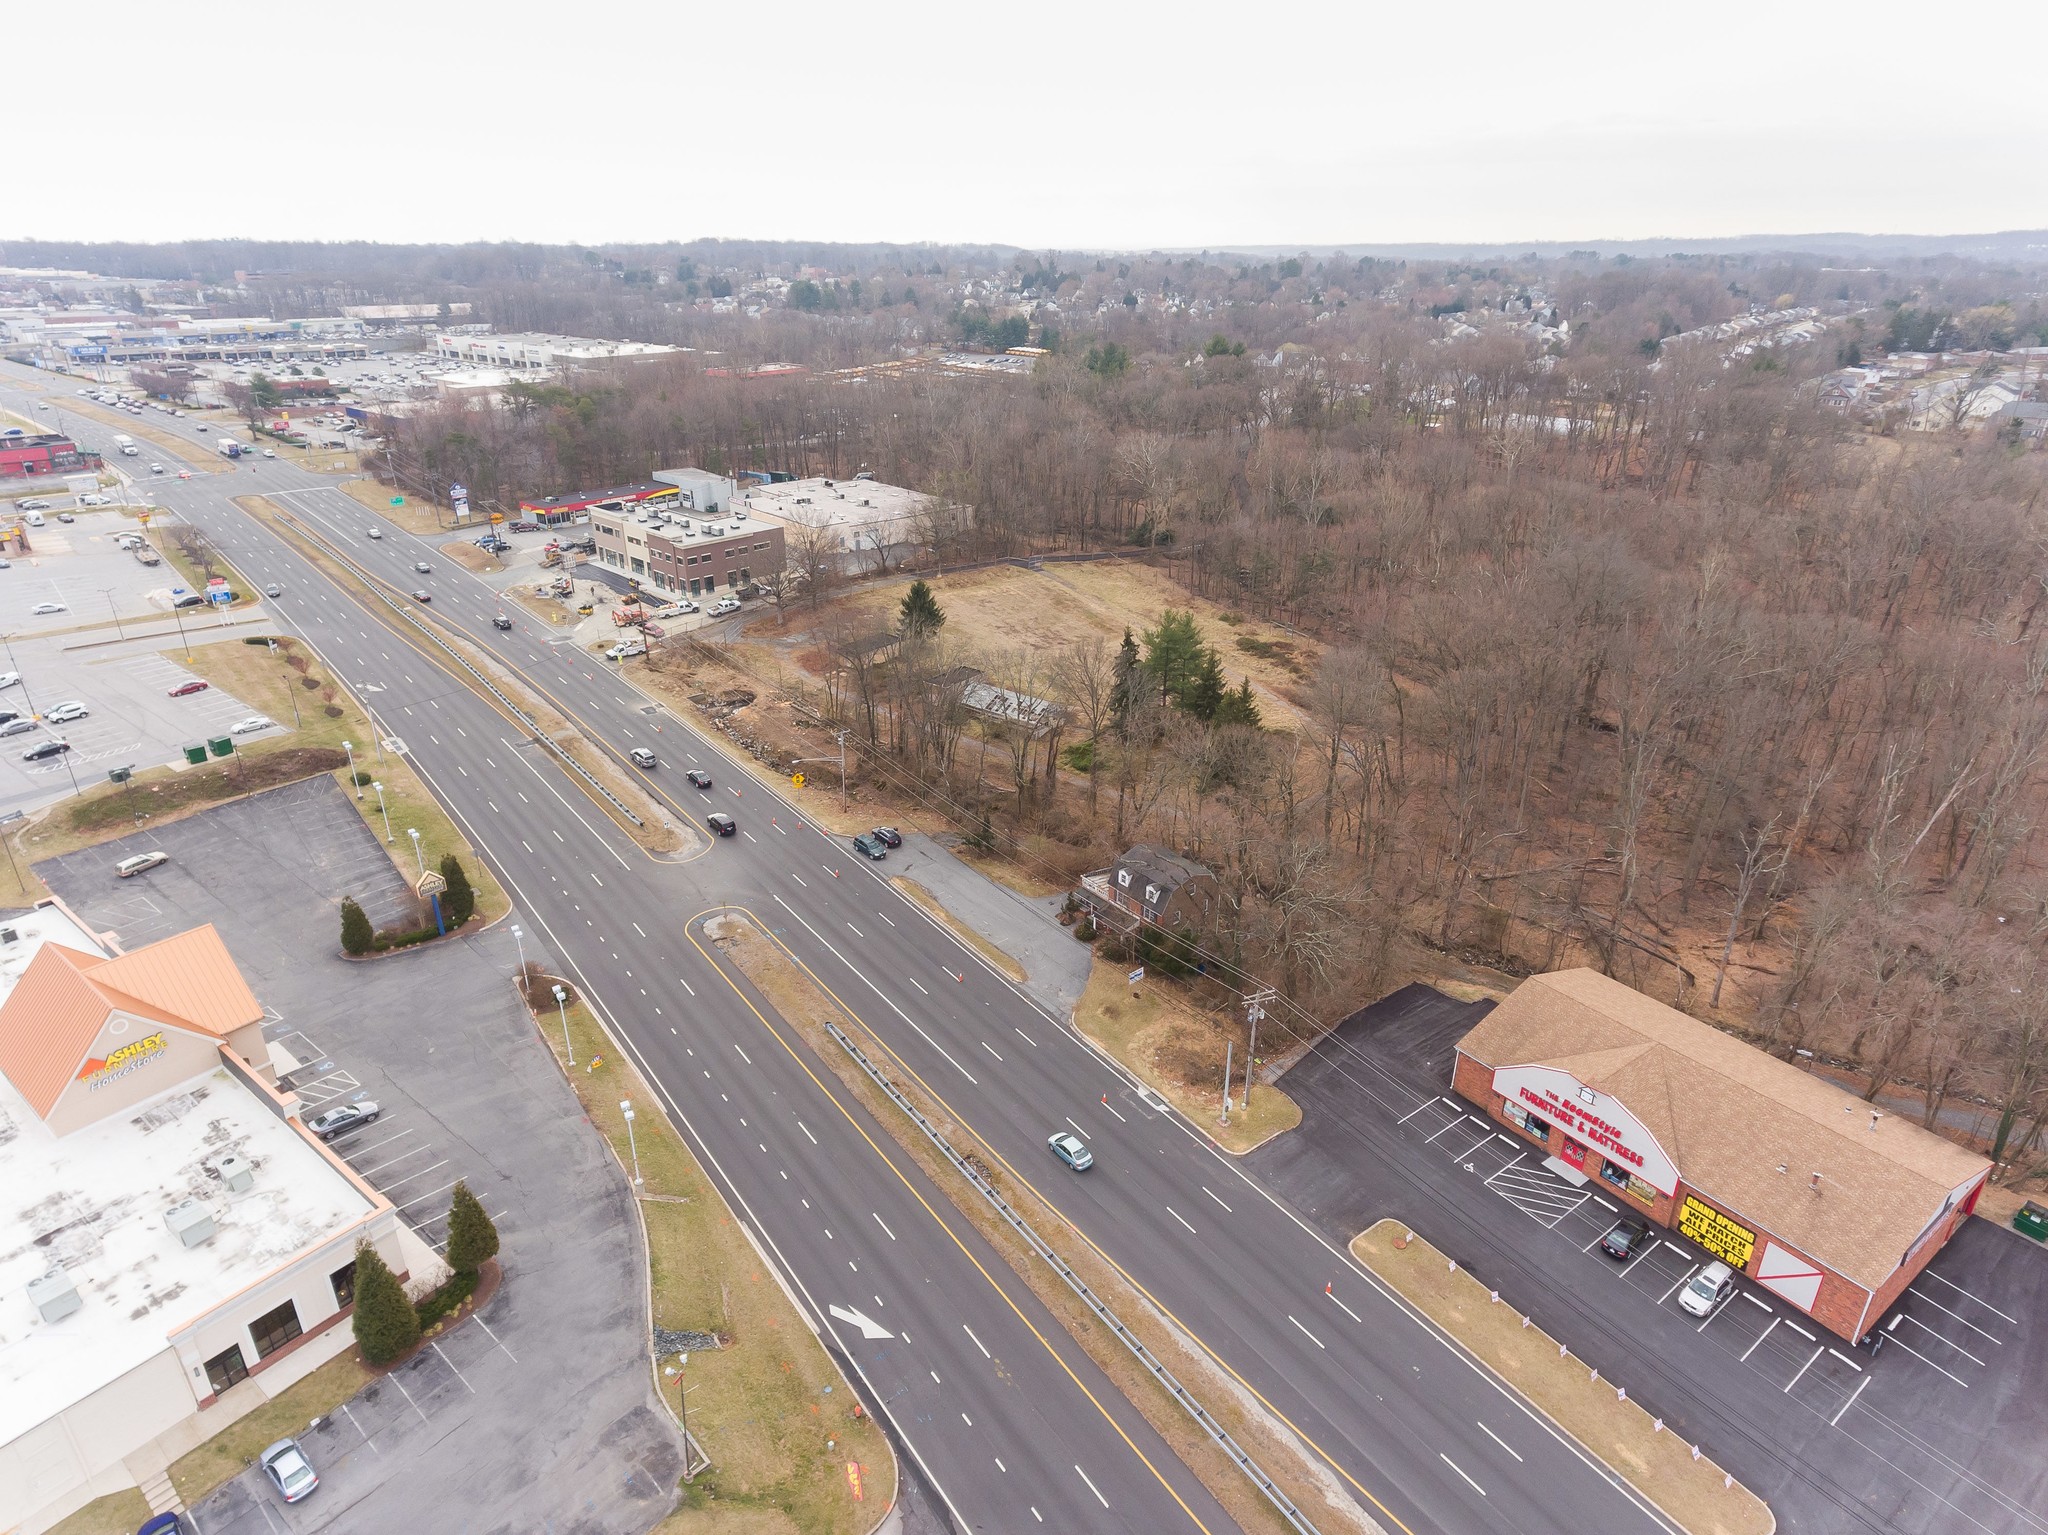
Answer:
(376, 587)
(1285, 1505)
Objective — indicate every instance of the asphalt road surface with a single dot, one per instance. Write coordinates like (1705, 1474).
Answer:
(1002, 1410)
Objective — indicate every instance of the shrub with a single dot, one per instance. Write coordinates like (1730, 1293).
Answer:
(471, 1236)
(297, 662)
(332, 711)
(356, 936)
(362, 780)
(385, 1323)
(309, 683)
(458, 902)
(447, 1300)
(1085, 930)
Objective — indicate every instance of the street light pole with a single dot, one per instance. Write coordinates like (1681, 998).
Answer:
(631, 1139)
(418, 851)
(347, 746)
(520, 939)
(298, 724)
(379, 787)
(108, 593)
(562, 1006)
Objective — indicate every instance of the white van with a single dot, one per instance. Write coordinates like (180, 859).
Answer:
(34, 519)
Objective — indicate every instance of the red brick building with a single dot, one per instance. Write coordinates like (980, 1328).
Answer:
(1817, 1197)
(28, 455)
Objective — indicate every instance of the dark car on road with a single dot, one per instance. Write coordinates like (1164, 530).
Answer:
(870, 847)
(501, 622)
(1625, 1239)
(698, 777)
(42, 749)
(888, 836)
(343, 1118)
(422, 596)
(722, 825)
(1068, 1148)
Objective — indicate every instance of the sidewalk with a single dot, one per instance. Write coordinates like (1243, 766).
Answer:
(1055, 963)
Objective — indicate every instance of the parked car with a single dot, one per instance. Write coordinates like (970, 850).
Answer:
(288, 1469)
(67, 711)
(524, 526)
(720, 824)
(888, 836)
(32, 504)
(128, 868)
(725, 605)
(1625, 1238)
(168, 1524)
(343, 1118)
(9, 679)
(95, 499)
(250, 725)
(698, 777)
(870, 847)
(642, 757)
(66, 517)
(49, 607)
(196, 685)
(422, 596)
(1707, 1289)
(17, 727)
(42, 749)
(501, 622)
(189, 600)
(1068, 1148)
(8, 716)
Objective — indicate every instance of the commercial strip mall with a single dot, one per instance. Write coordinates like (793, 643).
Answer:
(176, 1248)
(1828, 1203)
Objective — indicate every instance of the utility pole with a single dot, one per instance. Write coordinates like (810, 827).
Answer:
(1254, 1010)
(1228, 1046)
(842, 770)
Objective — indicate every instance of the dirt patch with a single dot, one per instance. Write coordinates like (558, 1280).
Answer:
(470, 557)
(1657, 1462)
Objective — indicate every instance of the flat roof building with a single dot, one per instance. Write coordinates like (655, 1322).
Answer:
(534, 352)
(175, 1247)
(869, 522)
(1828, 1203)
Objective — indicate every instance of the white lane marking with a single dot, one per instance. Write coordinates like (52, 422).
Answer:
(807, 1131)
(686, 986)
(1091, 1487)
(1077, 1129)
(914, 981)
(1461, 1471)
(1497, 1439)
(991, 1049)
(1214, 1195)
(640, 930)
(884, 1225)
(1332, 1293)
(1318, 1342)
(744, 1056)
(855, 931)
(885, 917)
(1107, 1105)
(1026, 1037)
(980, 1345)
(1182, 1219)
(800, 880)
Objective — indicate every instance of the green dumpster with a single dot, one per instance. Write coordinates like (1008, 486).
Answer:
(118, 775)
(222, 745)
(196, 755)
(2031, 1220)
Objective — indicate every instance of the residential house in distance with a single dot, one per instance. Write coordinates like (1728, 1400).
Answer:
(2027, 418)
(1150, 885)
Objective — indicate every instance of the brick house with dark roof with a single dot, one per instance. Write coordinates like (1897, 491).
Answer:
(1150, 885)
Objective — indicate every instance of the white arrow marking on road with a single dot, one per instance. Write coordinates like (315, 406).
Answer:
(869, 1327)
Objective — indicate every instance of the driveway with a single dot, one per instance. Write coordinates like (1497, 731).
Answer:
(1055, 963)
(1938, 1432)
(539, 1414)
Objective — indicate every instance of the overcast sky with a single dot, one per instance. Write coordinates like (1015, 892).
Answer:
(1056, 125)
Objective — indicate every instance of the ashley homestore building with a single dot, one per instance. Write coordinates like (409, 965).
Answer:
(1816, 1196)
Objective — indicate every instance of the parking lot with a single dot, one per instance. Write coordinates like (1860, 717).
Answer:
(539, 1413)
(1933, 1432)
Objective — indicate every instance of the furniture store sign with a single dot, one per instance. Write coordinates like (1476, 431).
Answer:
(98, 1071)
(1591, 1117)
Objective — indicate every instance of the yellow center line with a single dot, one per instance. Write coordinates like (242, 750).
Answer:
(1093, 1245)
(937, 1219)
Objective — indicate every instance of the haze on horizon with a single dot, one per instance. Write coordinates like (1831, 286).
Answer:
(1070, 127)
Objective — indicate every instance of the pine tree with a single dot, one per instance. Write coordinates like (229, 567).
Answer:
(921, 617)
(458, 901)
(1204, 696)
(1239, 707)
(471, 1236)
(356, 933)
(385, 1323)
(1173, 654)
(1128, 667)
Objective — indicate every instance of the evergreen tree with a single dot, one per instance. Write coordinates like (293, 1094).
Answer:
(920, 617)
(385, 1323)
(471, 1236)
(1204, 696)
(1239, 707)
(1128, 668)
(1173, 653)
(458, 901)
(356, 933)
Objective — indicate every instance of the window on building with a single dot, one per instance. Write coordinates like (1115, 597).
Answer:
(760, 546)
(274, 1329)
(344, 1281)
(1537, 1129)
(1123, 877)
(224, 1369)
(1618, 1176)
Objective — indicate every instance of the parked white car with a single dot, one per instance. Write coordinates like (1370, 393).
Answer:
(249, 726)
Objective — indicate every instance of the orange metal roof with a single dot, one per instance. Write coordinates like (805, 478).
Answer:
(62, 1000)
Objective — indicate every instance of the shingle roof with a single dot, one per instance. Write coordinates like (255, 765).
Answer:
(1729, 1115)
(57, 1008)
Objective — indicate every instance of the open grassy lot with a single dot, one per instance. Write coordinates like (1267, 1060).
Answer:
(1178, 1051)
(1657, 1462)
(235, 1448)
(415, 516)
(760, 1407)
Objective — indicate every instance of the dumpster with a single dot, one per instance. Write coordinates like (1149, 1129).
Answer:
(118, 775)
(196, 755)
(2031, 1220)
(222, 745)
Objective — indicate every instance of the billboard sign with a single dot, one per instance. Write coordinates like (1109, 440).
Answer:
(1726, 1239)
(1597, 1119)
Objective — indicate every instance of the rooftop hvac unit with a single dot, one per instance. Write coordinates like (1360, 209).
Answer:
(236, 1172)
(190, 1221)
(10, 935)
(54, 1295)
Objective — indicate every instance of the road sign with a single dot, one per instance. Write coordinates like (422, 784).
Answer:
(1137, 975)
(797, 780)
(398, 500)
(433, 882)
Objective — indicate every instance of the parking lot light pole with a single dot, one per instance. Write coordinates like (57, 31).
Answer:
(562, 1005)
(520, 938)
(632, 1140)
(418, 851)
(378, 785)
(108, 593)
(347, 746)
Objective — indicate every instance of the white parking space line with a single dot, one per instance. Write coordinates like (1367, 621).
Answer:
(1804, 1368)
(1980, 1300)
(1837, 1418)
(1763, 1335)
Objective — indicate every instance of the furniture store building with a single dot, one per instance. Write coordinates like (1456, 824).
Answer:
(1830, 1204)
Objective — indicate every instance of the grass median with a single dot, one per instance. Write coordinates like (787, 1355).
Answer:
(1659, 1464)
(769, 1408)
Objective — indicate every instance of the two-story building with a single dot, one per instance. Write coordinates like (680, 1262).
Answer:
(1150, 885)
(681, 555)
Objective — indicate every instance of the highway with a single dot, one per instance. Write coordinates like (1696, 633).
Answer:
(1424, 1440)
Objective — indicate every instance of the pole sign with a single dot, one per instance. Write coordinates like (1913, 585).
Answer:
(1137, 975)
(458, 497)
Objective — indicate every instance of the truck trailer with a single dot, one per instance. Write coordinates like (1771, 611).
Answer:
(229, 448)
